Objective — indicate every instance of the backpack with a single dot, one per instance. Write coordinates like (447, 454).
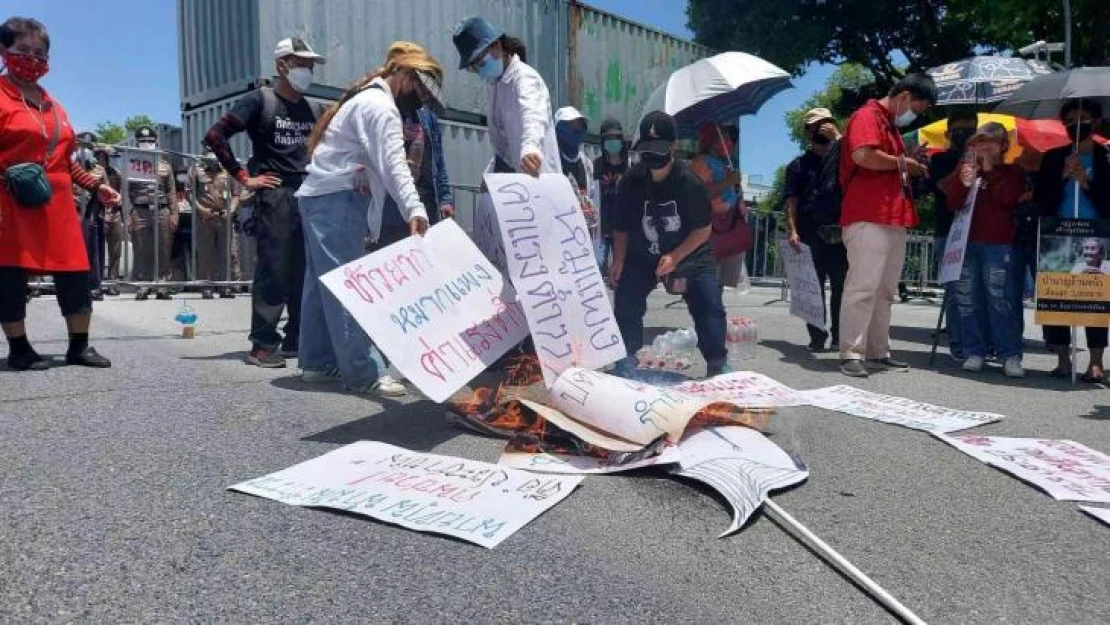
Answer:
(821, 200)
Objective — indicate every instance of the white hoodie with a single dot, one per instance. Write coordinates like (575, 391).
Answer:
(365, 143)
(520, 118)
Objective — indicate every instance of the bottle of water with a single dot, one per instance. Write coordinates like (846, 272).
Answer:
(740, 339)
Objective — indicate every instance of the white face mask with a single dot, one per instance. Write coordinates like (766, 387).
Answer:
(906, 118)
(300, 78)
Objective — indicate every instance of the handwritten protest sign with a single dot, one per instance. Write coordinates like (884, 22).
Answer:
(741, 464)
(744, 388)
(140, 165)
(1064, 469)
(487, 233)
(1073, 272)
(1102, 514)
(806, 301)
(542, 462)
(897, 410)
(434, 305)
(552, 265)
(476, 501)
(955, 247)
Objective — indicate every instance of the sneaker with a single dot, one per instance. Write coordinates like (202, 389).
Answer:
(88, 358)
(163, 295)
(265, 358)
(386, 386)
(141, 295)
(226, 294)
(311, 376)
(958, 356)
(289, 350)
(29, 361)
(974, 364)
(889, 363)
(97, 295)
(207, 294)
(816, 347)
(712, 372)
(853, 368)
(1012, 368)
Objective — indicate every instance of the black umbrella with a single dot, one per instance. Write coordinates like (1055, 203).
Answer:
(984, 78)
(1043, 97)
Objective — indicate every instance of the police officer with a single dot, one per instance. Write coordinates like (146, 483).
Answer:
(211, 188)
(111, 244)
(153, 213)
(89, 208)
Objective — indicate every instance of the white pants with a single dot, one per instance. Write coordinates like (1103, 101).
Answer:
(876, 254)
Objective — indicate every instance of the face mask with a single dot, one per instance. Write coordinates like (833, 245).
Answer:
(820, 139)
(26, 67)
(300, 78)
(1082, 132)
(85, 155)
(408, 102)
(147, 145)
(613, 146)
(905, 119)
(569, 137)
(491, 69)
(959, 137)
(655, 161)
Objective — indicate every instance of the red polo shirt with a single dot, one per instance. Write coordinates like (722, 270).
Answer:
(870, 195)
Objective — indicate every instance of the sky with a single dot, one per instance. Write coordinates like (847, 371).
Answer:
(114, 58)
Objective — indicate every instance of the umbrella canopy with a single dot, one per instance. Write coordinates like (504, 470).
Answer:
(1043, 97)
(984, 78)
(1037, 135)
(719, 88)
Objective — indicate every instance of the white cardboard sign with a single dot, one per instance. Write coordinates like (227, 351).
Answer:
(487, 233)
(1066, 470)
(552, 264)
(897, 410)
(475, 501)
(955, 247)
(806, 301)
(434, 305)
(1102, 514)
(747, 389)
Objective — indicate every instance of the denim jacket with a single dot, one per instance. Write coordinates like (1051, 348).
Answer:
(440, 181)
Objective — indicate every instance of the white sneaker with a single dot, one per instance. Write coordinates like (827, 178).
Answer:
(388, 387)
(974, 364)
(311, 376)
(1013, 368)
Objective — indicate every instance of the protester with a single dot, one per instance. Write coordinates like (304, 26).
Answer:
(962, 123)
(876, 212)
(713, 166)
(154, 213)
(423, 142)
(1074, 181)
(570, 134)
(211, 187)
(39, 229)
(89, 211)
(520, 126)
(812, 200)
(609, 168)
(278, 121)
(662, 233)
(988, 279)
(356, 149)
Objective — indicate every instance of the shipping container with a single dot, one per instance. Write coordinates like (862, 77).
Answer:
(602, 64)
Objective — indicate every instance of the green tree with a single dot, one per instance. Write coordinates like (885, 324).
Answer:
(886, 38)
(844, 91)
(110, 132)
(131, 124)
(772, 203)
(1011, 24)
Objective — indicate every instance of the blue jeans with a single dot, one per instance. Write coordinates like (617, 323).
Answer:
(334, 234)
(951, 310)
(988, 283)
(703, 299)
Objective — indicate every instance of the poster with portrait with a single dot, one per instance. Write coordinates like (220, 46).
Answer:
(1073, 272)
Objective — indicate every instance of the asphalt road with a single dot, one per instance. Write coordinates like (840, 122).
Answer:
(113, 506)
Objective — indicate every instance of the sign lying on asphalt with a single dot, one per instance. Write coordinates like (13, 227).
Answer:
(475, 501)
(897, 410)
(434, 305)
(806, 300)
(744, 388)
(1102, 514)
(1066, 470)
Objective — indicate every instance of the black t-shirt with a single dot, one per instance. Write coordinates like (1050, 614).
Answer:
(940, 167)
(279, 145)
(801, 175)
(575, 170)
(658, 216)
(609, 177)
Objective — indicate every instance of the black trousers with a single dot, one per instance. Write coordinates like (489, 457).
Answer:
(71, 287)
(1060, 336)
(831, 262)
(279, 273)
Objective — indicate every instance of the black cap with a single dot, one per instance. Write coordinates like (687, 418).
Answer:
(612, 128)
(145, 132)
(657, 133)
(86, 139)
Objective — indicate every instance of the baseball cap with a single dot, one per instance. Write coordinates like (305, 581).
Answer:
(657, 133)
(612, 128)
(569, 114)
(990, 131)
(295, 46)
(817, 115)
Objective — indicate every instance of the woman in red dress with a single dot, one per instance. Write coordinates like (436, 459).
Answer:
(45, 239)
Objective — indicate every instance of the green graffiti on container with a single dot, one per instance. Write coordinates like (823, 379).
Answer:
(613, 81)
(592, 106)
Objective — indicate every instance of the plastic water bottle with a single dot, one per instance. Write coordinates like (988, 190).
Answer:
(741, 338)
(187, 317)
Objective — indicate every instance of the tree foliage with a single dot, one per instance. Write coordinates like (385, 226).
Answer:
(111, 133)
(844, 92)
(1012, 24)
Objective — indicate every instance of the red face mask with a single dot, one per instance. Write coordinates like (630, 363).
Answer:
(26, 67)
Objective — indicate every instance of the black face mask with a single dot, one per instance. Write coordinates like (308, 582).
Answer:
(409, 102)
(655, 161)
(1083, 131)
(959, 137)
(820, 139)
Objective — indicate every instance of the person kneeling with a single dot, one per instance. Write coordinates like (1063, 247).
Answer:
(986, 290)
(662, 232)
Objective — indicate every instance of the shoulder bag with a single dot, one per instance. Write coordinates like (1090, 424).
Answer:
(27, 182)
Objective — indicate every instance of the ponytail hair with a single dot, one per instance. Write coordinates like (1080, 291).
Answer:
(402, 56)
(511, 46)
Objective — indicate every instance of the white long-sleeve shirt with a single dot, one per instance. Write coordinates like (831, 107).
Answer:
(364, 143)
(520, 118)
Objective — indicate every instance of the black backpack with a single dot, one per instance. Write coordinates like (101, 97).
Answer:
(821, 200)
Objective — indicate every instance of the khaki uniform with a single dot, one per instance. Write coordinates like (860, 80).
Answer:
(214, 195)
(113, 228)
(151, 200)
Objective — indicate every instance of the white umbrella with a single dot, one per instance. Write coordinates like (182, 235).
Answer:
(719, 88)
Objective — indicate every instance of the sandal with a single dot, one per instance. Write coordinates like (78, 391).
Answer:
(1088, 378)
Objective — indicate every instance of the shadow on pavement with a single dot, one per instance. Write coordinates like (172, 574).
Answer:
(240, 355)
(420, 426)
(1098, 413)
